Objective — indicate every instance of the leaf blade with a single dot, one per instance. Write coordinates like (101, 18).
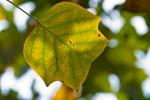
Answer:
(61, 49)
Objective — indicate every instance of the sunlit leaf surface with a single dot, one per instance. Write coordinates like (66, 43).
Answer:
(63, 46)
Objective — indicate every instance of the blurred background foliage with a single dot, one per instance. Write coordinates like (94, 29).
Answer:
(116, 71)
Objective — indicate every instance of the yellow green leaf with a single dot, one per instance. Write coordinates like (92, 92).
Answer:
(63, 46)
(1, 14)
(64, 92)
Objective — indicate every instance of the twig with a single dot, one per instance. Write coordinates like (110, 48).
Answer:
(25, 12)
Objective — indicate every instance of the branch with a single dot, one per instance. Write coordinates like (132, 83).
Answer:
(25, 12)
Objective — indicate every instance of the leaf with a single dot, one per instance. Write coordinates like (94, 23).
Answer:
(137, 6)
(1, 14)
(64, 92)
(10, 48)
(63, 46)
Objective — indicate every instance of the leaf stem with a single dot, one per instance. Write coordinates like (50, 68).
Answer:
(25, 12)
(31, 17)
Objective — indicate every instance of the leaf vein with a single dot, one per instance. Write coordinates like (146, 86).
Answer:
(43, 56)
(68, 22)
(56, 14)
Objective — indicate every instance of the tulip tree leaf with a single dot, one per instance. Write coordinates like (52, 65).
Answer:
(64, 44)
(1, 14)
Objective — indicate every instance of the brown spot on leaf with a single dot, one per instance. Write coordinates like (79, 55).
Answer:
(71, 43)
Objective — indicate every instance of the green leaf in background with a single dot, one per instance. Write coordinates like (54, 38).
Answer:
(63, 46)
(1, 14)
(11, 43)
